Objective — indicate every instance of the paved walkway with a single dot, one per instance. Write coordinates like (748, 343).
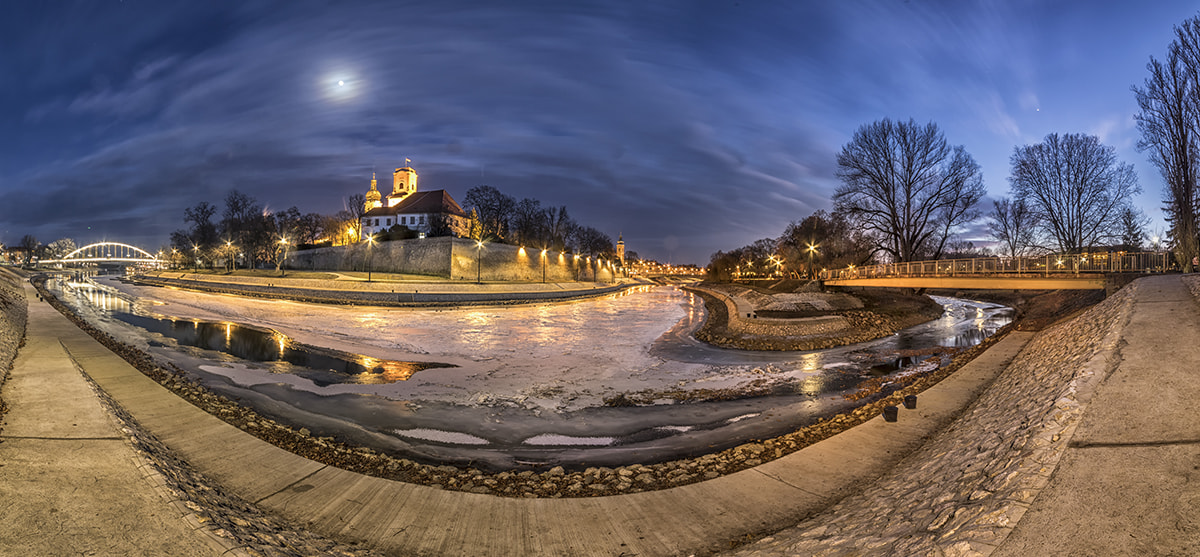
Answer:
(70, 483)
(1129, 483)
(406, 519)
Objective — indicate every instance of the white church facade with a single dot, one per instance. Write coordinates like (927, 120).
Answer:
(420, 211)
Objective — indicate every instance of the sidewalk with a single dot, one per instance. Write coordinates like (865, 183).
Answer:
(1129, 482)
(70, 483)
(407, 519)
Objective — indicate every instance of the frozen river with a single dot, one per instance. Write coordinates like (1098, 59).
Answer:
(504, 387)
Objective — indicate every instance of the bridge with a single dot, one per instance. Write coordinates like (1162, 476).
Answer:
(1086, 271)
(106, 252)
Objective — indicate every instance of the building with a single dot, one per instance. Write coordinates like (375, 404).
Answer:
(420, 211)
(621, 248)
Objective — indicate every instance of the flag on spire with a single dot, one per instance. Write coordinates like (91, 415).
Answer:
(409, 161)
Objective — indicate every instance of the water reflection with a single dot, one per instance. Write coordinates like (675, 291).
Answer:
(269, 346)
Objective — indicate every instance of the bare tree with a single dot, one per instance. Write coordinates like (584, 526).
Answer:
(1170, 123)
(30, 244)
(1012, 224)
(356, 206)
(902, 182)
(1075, 187)
(495, 210)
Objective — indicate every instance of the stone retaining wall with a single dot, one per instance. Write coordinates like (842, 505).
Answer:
(964, 491)
(13, 308)
(453, 258)
(739, 323)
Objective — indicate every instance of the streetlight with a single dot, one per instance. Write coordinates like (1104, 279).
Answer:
(478, 267)
(543, 266)
(812, 248)
(229, 250)
(196, 263)
(370, 243)
(284, 242)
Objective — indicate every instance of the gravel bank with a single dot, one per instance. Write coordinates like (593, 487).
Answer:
(13, 308)
(965, 490)
(856, 325)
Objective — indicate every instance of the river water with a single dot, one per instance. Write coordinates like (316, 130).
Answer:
(506, 387)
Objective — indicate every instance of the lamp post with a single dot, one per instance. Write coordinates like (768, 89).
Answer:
(229, 250)
(543, 266)
(370, 244)
(478, 267)
(812, 248)
(196, 259)
(284, 242)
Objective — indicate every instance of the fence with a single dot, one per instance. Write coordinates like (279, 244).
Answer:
(1047, 265)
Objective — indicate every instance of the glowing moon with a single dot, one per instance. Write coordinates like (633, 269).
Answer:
(341, 83)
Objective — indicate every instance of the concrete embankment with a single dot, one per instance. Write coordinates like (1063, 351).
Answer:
(966, 489)
(12, 322)
(382, 293)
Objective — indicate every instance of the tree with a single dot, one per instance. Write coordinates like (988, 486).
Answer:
(1169, 121)
(902, 182)
(530, 223)
(1012, 224)
(30, 244)
(1075, 188)
(356, 207)
(59, 249)
(495, 209)
(1133, 229)
(594, 242)
(835, 243)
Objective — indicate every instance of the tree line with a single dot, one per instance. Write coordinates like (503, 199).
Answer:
(498, 217)
(906, 194)
(245, 231)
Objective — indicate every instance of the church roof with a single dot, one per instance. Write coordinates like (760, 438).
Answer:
(421, 202)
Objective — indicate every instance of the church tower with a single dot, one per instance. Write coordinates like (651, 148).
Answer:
(620, 248)
(373, 197)
(404, 183)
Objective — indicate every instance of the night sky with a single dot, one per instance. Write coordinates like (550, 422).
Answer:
(687, 126)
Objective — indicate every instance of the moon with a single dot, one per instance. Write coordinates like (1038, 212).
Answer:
(341, 83)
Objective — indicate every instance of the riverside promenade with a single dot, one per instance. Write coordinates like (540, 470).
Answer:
(783, 496)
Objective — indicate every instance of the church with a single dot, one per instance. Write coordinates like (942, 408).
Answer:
(405, 206)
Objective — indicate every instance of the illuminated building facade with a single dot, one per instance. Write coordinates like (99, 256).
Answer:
(405, 206)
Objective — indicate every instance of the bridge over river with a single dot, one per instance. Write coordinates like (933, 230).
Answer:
(1088, 271)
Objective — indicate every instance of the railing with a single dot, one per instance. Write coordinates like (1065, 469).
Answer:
(1046, 265)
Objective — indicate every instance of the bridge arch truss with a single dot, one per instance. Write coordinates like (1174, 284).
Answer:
(108, 252)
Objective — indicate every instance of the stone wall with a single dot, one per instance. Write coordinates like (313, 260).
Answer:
(13, 313)
(453, 258)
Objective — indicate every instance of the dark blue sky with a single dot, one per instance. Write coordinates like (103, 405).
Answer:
(688, 126)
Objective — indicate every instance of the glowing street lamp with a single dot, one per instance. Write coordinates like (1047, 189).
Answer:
(543, 266)
(283, 242)
(370, 243)
(478, 267)
(812, 248)
(196, 263)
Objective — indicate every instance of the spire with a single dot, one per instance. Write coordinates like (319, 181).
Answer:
(373, 196)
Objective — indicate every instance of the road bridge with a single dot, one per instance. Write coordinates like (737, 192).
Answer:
(106, 252)
(1086, 271)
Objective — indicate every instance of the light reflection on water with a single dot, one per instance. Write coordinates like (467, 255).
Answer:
(594, 329)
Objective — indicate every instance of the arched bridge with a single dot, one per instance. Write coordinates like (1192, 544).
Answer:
(107, 252)
(1085, 271)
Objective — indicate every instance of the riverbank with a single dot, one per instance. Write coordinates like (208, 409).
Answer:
(554, 482)
(13, 314)
(384, 291)
(882, 313)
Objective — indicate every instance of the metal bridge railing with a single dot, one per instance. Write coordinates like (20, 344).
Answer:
(1046, 265)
